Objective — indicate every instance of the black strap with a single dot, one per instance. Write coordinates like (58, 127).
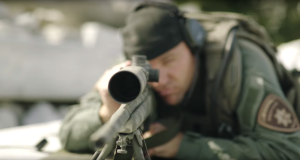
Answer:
(164, 136)
(227, 53)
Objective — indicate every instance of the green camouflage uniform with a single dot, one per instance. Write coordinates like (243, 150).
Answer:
(254, 140)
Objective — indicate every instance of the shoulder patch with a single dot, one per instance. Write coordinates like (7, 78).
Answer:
(274, 114)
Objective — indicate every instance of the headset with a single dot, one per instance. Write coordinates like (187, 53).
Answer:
(191, 30)
(194, 35)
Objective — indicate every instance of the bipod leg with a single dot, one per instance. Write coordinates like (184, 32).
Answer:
(96, 155)
(139, 147)
(138, 152)
(106, 150)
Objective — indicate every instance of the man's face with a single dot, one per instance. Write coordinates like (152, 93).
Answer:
(176, 68)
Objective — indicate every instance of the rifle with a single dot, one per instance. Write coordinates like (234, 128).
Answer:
(128, 87)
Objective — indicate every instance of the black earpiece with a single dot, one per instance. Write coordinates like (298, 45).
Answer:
(195, 33)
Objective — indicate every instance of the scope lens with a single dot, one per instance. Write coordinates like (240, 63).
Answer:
(124, 87)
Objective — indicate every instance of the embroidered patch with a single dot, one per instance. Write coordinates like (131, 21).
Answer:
(274, 114)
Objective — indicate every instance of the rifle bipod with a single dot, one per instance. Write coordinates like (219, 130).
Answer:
(127, 147)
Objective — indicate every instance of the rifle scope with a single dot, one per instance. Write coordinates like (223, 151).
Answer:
(128, 83)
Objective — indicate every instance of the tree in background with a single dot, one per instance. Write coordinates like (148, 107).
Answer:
(280, 17)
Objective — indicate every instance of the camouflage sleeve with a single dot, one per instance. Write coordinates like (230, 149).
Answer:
(81, 121)
(268, 126)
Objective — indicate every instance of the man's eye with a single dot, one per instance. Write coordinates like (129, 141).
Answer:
(169, 61)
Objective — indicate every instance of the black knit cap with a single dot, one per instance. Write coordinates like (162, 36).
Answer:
(150, 31)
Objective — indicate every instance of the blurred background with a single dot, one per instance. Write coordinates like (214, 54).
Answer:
(52, 52)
